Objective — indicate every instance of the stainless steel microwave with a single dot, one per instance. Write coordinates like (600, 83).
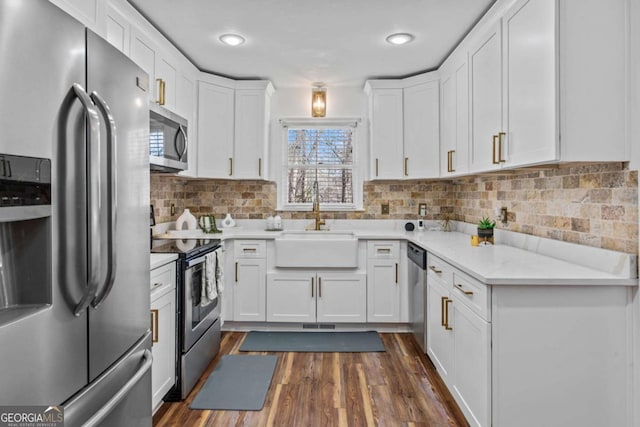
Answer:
(168, 140)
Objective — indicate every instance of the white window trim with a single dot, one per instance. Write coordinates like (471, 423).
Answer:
(358, 170)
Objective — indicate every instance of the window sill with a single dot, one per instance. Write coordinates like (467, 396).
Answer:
(323, 208)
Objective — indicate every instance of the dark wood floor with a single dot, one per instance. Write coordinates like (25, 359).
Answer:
(399, 387)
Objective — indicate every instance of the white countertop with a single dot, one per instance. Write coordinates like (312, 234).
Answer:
(158, 260)
(501, 264)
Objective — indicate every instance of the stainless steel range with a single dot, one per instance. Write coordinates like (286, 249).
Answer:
(198, 324)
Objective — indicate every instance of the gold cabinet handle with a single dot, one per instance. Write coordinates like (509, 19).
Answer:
(236, 275)
(446, 314)
(312, 287)
(459, 286)
(260, 167)
(249, 249)
(442, 303)
(434, 269)
(493, 158)
(396, 272)
(319, 287)
(406, 166)
(450, 161)
(155, 335)
(384, 250)
(377, 166)
(500, 136)
(230, 166)
(161, 90)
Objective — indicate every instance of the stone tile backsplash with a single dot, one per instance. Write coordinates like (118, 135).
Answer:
(594, 204)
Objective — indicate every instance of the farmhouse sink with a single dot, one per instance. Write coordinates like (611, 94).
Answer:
(316, 249)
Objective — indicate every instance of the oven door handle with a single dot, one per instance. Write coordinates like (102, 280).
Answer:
(195, 261)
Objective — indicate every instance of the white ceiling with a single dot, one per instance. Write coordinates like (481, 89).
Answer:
(298, 42)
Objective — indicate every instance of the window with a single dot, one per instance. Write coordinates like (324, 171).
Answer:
(322, 154)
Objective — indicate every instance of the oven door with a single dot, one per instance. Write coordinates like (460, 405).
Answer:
(197, 318)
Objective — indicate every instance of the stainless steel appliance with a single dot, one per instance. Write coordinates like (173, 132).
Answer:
(199, 325)
(168, 140)
(418, 288)
(74, 325)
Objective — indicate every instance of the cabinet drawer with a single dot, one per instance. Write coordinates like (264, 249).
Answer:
(163, 276)
(249, 248)
(385, 249)
(473, 294)
(437, 268)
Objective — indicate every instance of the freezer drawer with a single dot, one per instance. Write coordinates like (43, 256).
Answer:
(121, 396)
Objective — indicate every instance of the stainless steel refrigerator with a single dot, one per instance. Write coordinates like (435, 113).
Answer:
(74, 277)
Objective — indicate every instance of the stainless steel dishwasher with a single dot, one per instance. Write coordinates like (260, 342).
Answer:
(418, 289)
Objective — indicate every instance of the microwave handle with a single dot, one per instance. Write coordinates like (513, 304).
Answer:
(175, 143)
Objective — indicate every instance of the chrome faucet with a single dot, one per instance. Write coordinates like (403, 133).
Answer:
(316, 206)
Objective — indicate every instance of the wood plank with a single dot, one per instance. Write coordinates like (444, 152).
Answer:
(397, 387)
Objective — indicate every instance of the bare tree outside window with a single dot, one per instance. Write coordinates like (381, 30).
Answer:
(322, 155)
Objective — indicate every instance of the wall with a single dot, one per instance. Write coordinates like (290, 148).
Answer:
(595, 205)
(257, 199)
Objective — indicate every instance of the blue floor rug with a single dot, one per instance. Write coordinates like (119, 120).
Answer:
(238, 383)
(321, 342)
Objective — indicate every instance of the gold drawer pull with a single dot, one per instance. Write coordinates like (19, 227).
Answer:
(435, 269)
(493, 158)
(236, 276)
(377, 162)
(312, 287)
(459, 286)
(249, 249)
(446, 314)
(442, 302)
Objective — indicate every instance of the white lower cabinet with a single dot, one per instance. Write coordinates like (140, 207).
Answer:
(387, 290)
(316, 296)
(459, 340)
(249, 290)
(163, 331)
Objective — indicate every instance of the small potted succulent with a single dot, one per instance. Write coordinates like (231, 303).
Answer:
(485, 228)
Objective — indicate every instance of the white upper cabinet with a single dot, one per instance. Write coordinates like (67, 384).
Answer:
(386, 131)
(215, 131)
(530, 85)
(252, 108)
(545, 87)
(404, 127)
(118, 29)
(422, 130)
(454, 120)
(485, 64)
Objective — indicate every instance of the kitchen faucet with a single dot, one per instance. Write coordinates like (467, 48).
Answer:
(316, 206)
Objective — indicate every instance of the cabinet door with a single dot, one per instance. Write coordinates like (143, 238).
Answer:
(249, 290)
(291, 297)
(460, 156)
(439, 339)
(342, 298)
(530, 82)
(118, 30)
(485, 56)
(215, 131)
(472, 376)
(186, 107)
(421, 131)
(386, 134)
(143, 53)
(250, 134)
(383, 290)
(163, 329)
(448, 121)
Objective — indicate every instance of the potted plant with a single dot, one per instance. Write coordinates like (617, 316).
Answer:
(485, 228)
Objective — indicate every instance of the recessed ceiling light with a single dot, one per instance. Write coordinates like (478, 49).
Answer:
(232, 39)
(400, 38)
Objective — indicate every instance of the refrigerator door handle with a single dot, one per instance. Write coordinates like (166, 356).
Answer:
(111, 198)
(93, 197)
(122, 393)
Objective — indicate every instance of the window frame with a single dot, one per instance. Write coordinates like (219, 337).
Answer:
(357, 177)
